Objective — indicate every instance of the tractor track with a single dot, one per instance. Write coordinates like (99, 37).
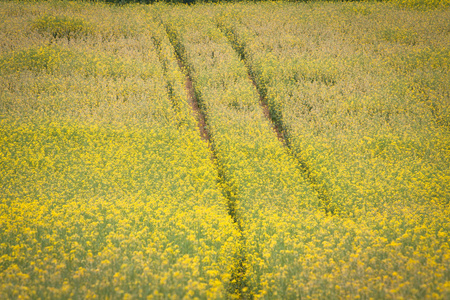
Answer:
(238, 284)
(277, 123)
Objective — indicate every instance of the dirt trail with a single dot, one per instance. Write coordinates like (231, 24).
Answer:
(238, 284)
(193, 101)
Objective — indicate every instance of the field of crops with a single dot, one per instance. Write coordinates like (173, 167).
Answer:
(251, 150)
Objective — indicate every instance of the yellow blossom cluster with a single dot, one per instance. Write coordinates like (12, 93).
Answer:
(92, 211)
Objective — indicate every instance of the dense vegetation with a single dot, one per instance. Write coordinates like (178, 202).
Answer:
(420, 4)
(311, 159)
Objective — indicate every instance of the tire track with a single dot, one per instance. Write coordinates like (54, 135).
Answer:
(199, 116)
(275, 118)
(238, 285)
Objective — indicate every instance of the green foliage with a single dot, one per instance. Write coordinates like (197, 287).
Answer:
(62, 26)
(57, 59)
(398, 35)
(35, 59)
(422, 4)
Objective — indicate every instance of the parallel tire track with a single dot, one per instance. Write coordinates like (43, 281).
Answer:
(238, 283)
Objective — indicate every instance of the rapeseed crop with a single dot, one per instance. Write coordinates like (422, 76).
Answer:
(292, 248)
(78, 221)
(368, 130)
(259, 176)
(107, 190)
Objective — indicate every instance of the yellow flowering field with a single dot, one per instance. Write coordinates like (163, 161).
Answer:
(322, 171)
(107, 190)
(259, 176)
(361, 92)
(358, 254)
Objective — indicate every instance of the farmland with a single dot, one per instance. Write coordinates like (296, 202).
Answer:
(244, 151)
